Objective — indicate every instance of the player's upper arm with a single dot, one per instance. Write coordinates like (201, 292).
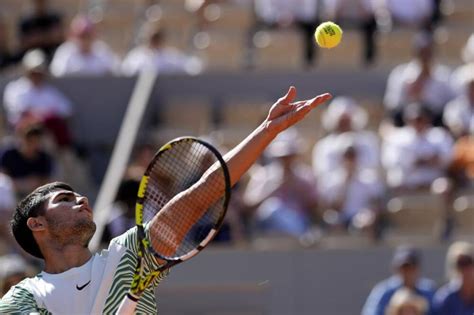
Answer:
(19, 301)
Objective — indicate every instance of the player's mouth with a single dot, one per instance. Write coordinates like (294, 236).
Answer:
(86, 209)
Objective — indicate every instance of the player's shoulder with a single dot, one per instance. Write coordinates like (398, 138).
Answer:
(446, 292)
(127, 239)
(20, 294)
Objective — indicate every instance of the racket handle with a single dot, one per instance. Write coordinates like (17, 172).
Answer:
(128, 305)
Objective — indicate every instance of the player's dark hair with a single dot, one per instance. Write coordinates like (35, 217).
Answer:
(32, 206)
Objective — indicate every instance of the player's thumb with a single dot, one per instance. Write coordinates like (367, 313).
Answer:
(290, 95)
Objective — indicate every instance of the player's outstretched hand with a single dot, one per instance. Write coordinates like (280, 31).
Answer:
(285, 113)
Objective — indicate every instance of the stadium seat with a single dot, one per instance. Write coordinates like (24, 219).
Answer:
(279, 49)
(395, 46)
(417, 214)
(238, 118)
(183, 117)
(221, 50)
(233, 17)
(464, 214)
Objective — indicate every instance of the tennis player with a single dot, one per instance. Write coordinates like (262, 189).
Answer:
(55, 223)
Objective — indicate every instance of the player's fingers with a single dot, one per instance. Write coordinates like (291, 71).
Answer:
(319, 100)
(289, 97)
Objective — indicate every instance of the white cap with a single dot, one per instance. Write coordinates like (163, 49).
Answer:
(35, 61)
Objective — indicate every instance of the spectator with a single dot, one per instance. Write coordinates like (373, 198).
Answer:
(7, 205)
(284, 190)
(457, 296)
(154, 54)
(462, 166)
(32, 97)
(41, 28)
(302, 14)
(406, 263)
(418, 14)
(26, 162)
(466, 69)
(406, 302)
(83, 53)
(421, 80)
(459, 113)
(357, 14)
(353, 196)
(122, 216)
(13, 269)
(344, 119)
(417, 154)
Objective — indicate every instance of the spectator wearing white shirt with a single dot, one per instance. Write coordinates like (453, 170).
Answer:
(459, 113)
(421, 80)
(352, 196)
(417, 14)
(83, 53)
(154, 54)
(344, 119)
(417, 154)
(303, 14)
(459, 74)
(32, 97)
(284, 191)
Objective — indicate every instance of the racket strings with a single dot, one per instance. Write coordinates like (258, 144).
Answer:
(183, 229)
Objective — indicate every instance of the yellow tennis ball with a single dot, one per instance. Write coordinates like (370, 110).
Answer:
(328, 35)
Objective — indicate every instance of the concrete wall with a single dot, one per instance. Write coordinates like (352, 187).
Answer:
(286, 282)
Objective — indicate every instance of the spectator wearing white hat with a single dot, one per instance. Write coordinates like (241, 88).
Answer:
(284, 191)
(32, 97)
(457, 296)
(344, 118)
(407, 302)
(83, 53)
(421, 80)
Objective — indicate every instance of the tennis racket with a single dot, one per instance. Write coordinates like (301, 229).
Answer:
(181, 204)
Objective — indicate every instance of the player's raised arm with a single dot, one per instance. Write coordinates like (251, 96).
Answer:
(282, 115)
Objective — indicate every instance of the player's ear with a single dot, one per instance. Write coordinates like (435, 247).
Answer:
(36, 223)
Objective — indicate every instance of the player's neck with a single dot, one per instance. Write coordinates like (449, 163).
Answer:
(58, 261)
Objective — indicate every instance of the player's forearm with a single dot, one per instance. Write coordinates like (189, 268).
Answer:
(241, 157)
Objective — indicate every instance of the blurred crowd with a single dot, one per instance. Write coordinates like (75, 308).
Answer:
(423, 145)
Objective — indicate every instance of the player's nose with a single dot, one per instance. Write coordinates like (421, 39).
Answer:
(82, 200)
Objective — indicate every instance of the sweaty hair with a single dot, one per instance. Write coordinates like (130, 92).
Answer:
(32, 206)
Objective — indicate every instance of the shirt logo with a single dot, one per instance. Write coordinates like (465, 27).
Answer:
(83, 286)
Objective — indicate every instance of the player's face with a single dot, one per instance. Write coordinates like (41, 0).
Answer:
(69, 217)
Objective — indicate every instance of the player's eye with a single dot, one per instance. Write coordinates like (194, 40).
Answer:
(64, 198)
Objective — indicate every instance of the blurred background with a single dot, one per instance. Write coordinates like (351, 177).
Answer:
(378, 184)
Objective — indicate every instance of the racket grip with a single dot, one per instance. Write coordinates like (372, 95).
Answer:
(128, 305)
